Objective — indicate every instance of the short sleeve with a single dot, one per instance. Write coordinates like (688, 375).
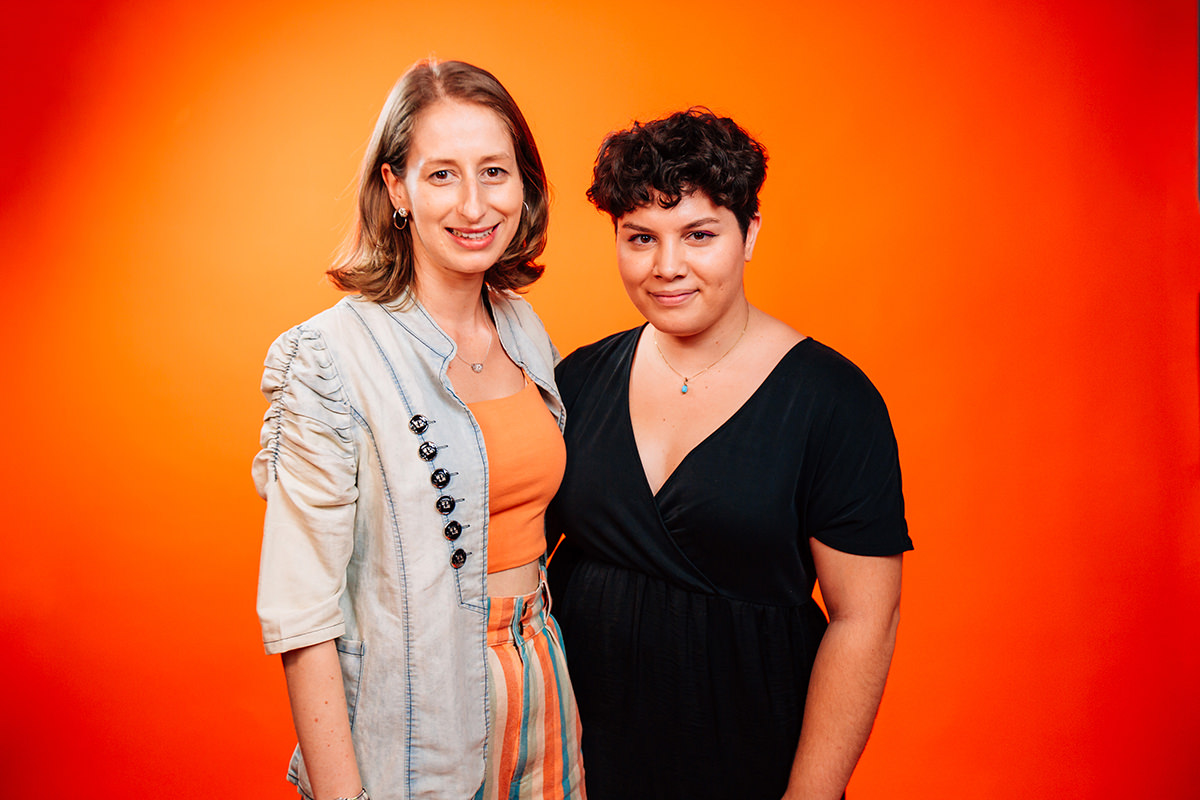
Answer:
(307, 473)
(856, 504)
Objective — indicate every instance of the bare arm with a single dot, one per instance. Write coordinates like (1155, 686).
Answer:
(314, 681)
(862, 595)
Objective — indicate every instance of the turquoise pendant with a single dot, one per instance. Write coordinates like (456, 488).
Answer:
(683, 389)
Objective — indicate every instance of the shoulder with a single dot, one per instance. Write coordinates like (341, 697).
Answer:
(846, 420)
(833, 378)
(599, 357)
(514, 306)
(614, 345)
(350, 325)
(305, 353)
(516, 313)
(330, 322)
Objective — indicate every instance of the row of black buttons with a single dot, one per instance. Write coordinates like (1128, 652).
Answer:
(440, 478)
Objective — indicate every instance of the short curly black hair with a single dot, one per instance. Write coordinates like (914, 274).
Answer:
(688, 151)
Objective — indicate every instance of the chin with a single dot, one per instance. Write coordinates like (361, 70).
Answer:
(479, 265)
(675, 329)
(673, 324)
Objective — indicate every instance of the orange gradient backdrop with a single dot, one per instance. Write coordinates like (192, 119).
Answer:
(991, 207)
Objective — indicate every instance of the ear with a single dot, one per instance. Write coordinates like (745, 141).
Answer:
(395, 187)
(752, 234)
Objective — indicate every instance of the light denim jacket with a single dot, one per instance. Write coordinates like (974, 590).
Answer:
(355, 547)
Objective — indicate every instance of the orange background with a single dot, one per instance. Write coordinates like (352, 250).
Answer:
(991, 207)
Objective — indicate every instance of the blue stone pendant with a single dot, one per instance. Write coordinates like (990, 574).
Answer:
(683, 389)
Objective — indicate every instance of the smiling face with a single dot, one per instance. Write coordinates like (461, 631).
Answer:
(682, 266)
(462, 189)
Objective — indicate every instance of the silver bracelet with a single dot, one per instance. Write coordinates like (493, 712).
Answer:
(360, 796)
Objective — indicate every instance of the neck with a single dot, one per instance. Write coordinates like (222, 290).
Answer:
(697, 351)
(456, 305)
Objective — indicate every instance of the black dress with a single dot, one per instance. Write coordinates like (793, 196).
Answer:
(688, 616)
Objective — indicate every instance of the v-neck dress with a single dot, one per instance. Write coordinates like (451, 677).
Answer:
(687, 615)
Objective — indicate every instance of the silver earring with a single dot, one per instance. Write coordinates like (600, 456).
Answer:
(400, 219)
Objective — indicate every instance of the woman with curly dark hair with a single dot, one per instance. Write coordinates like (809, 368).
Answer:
(719, 462)
(411, 447)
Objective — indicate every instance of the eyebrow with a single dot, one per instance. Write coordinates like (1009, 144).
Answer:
(493, 157)
(697, 223)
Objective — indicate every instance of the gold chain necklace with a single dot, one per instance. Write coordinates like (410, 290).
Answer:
(684, 388)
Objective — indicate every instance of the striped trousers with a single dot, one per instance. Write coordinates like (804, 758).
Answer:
(534, 724)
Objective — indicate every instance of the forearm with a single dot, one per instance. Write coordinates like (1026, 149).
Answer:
(318, 699)
(844, 691)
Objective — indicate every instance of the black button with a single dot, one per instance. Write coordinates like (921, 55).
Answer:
(452, 530)
(440, 478)
(445, 504)
(427, 451)
(418, 424)
(458, 559)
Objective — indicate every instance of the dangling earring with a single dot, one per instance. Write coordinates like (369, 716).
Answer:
(400, 219)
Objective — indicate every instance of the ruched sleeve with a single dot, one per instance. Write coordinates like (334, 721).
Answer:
(307, 473)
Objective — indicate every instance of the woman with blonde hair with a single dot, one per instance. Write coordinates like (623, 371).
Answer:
(412, 443)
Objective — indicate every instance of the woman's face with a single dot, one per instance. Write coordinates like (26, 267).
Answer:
(462, 190)
(682, 266)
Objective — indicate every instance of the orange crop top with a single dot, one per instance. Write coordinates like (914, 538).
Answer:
(526, 459)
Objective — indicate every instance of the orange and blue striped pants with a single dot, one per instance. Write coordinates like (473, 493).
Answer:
(534, 724)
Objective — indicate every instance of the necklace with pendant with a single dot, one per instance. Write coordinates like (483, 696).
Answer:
(477, 366)
(684, 388)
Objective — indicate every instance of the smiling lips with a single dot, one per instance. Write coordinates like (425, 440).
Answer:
(672, 298)
(474, 238)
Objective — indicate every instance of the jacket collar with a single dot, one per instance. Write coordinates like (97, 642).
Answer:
(415, 319)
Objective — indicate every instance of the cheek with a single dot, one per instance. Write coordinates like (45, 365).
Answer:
(409, 192)
(510, 199)
(725, 271)
(422, 206)
(630, 269)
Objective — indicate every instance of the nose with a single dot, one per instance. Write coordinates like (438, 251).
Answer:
(669, 260)
(471, 203)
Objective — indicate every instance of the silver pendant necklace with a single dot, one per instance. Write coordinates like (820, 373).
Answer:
(477, 366)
